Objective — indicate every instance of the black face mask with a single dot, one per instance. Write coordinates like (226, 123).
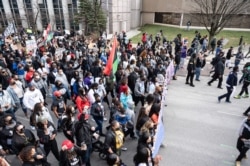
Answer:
(21, 131)
(9, 122)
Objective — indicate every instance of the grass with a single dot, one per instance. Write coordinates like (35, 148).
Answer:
(171, 32)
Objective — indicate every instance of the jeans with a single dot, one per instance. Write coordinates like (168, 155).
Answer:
(86, 156)
(99, 122)
(227, 95)
(197, 73)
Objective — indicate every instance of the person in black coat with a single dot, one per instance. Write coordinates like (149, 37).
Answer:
(244, 136)
(231, 83)
(218, 72)
(71, 154)
(83, 135)
(21, 138)
(46, 132)
(31, 157)
(191, 70)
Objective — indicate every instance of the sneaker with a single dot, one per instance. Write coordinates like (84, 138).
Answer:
(237, 97)
(237, 163)
(245, 96)
(124, 149)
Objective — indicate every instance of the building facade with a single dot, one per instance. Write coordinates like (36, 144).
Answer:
(121, 14)
(179, 12)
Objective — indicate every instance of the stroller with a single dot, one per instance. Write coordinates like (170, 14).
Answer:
(98, 146)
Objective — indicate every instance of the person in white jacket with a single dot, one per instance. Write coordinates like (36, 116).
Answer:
(32, 96)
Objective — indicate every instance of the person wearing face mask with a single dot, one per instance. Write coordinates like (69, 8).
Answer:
(70, 154)
(58, 107)
(7, 103)
(64, 91)
(62, 78)
(91, 93)
(114, 139)
(114, 160)
(82, 102)
(29, 75)
(83, 134)
(97, 112)
(243, 140)
(21, 138)
(139, 90)
(68, 121)
(40, 84)
(76, 86)
(15, 89)
(40, 111)
(30, 156)
(231, 82)
(7, 133)
(4, 78)
(32, 96)
(46, 133)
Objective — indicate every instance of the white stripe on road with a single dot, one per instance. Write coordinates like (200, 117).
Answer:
(230, 114)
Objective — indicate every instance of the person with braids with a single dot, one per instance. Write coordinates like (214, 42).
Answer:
(68, 120)
(30, 157)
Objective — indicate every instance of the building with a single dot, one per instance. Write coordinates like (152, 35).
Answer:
(179, 12)
(121, 14)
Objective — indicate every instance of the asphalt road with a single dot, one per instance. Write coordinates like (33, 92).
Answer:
(199, 131)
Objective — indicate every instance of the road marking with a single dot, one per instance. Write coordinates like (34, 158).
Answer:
(227, 146)
(229, 114)
(228, 163)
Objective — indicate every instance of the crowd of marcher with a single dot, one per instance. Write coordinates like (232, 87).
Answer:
(79, 89)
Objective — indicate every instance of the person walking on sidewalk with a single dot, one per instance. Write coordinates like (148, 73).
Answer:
(218, 72)
(232, 80)
(247, 52)
(246, 82)
(243, 140)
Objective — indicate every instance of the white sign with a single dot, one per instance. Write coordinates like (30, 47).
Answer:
(31, 45)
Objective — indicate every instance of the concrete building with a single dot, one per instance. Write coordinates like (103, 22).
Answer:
(121, 14)
(179, 12)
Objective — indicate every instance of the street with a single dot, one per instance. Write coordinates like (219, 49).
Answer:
(199, 131)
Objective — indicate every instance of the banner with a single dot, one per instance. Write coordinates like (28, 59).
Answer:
(11, 28)
(160, 132)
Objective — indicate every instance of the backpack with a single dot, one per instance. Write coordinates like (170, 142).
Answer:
(119, 139)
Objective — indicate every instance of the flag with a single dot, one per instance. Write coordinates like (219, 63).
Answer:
(11, 28)
(46, 32)
(108, 68)
(50, 36)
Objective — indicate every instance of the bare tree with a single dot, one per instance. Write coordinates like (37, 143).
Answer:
(214, 15)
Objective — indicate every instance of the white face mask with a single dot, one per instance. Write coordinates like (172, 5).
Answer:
(37, 77)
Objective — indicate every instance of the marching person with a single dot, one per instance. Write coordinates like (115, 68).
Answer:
(244, 137)
(70, 155)
(15, 89)
(58, 107)
(230, 84)
(68, 120)
(46, 132)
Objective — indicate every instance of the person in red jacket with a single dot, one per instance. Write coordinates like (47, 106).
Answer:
(29, 74)
(82, 101)
(144, 38)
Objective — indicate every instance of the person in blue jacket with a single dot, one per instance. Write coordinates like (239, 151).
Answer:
(232, 80)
